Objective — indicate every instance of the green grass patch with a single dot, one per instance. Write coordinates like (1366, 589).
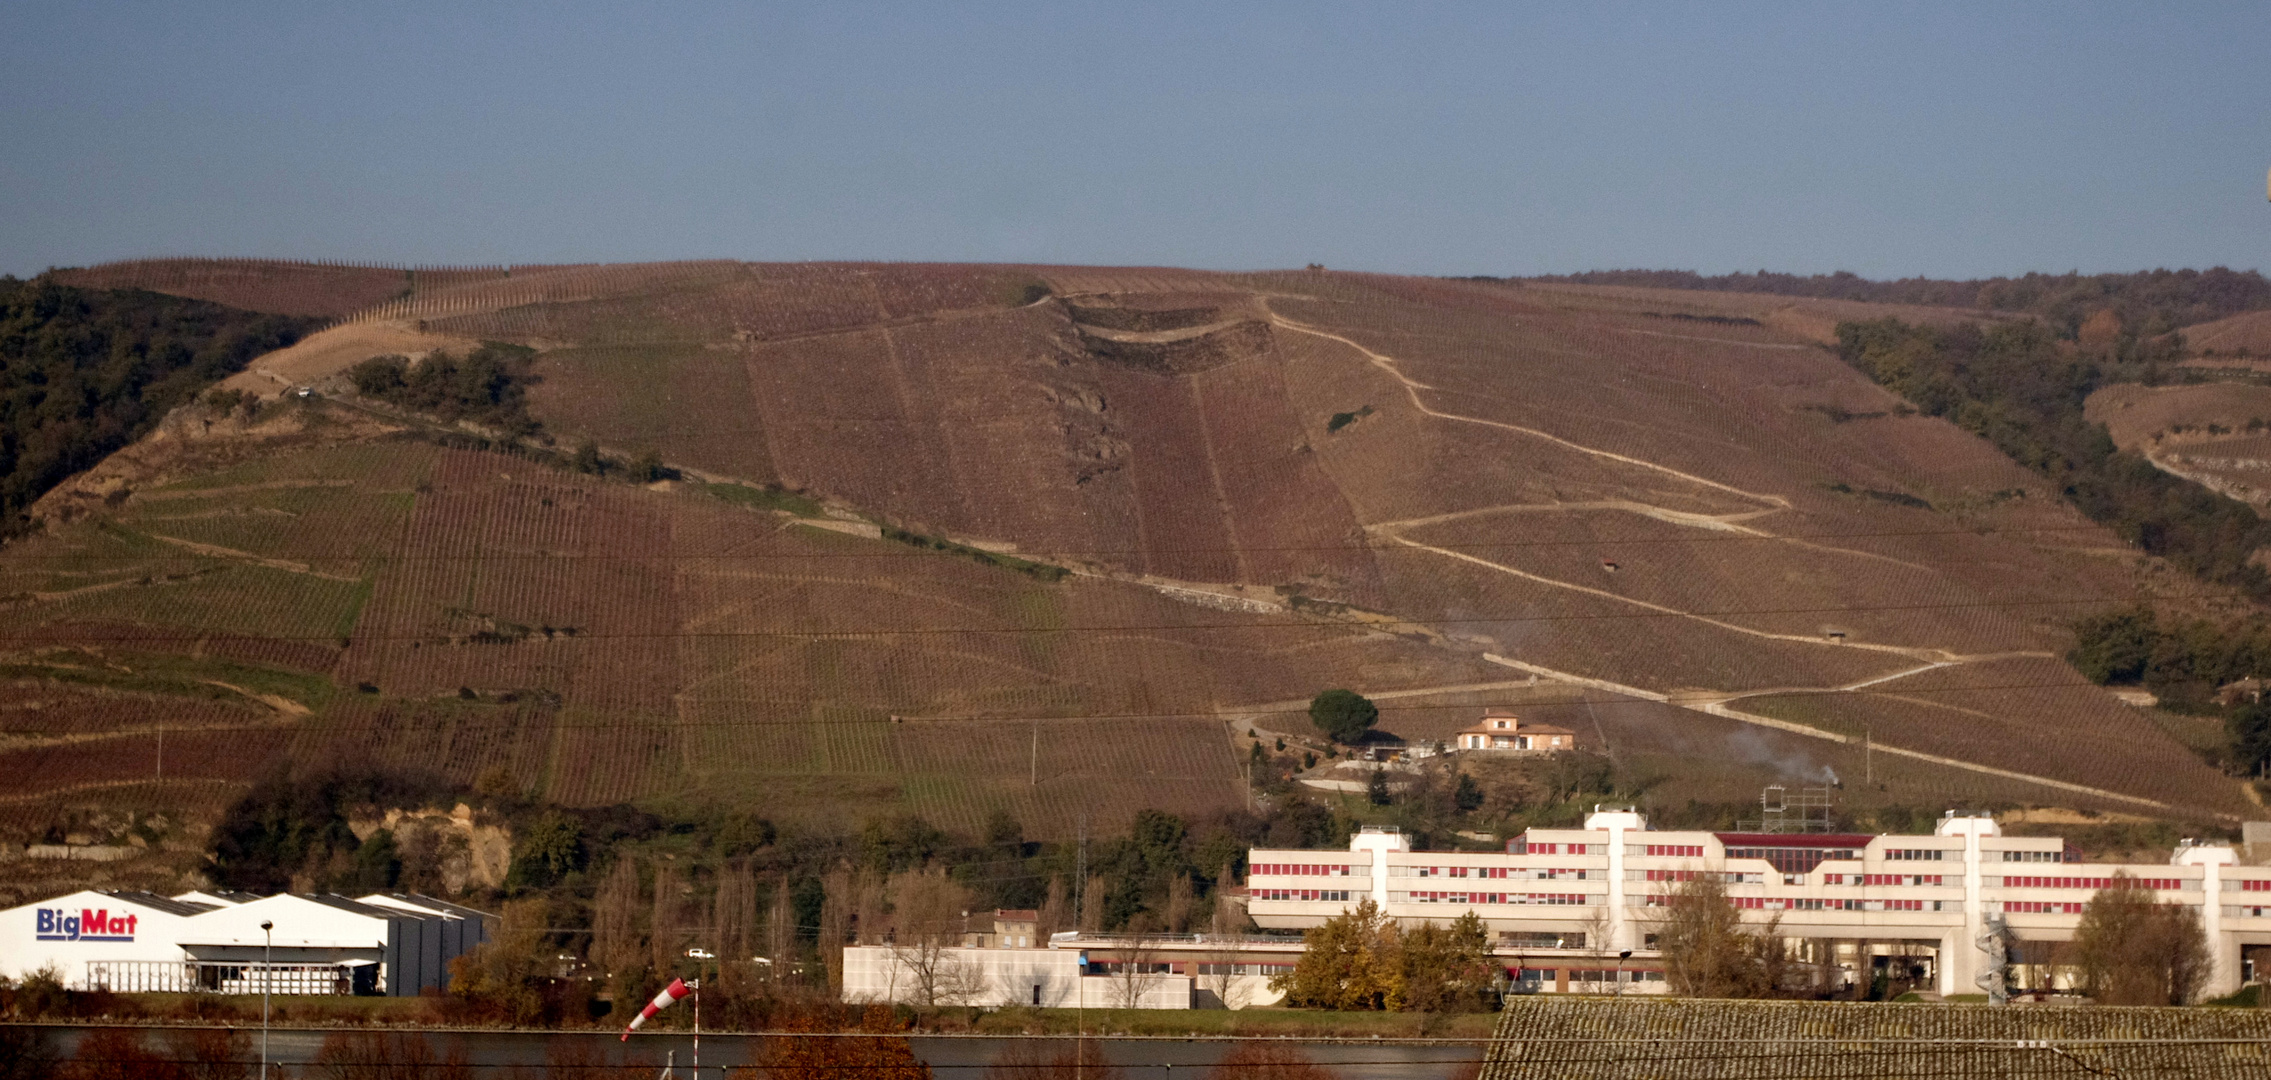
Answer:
(765, 498)
(2247, 997)
(171, 675)
(1037, 570)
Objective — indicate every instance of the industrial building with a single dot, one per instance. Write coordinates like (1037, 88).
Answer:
(1058, 976)
(396, 944)
(1572, 910)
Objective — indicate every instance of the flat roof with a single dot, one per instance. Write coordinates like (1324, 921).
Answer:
(1796, 840)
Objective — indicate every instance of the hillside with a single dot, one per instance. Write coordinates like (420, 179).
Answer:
(1670, 520)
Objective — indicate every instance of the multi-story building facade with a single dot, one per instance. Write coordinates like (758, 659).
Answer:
(1574, 909)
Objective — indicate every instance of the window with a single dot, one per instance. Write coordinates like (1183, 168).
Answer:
(2041, 907)
(1673, 851)
(1450, 897)
(1793, 860)
(1541, 939)
(2165, 884)
(2034, 856)
(1337, 895)
(2255, 885)
(1914, 854)
(1244, 969)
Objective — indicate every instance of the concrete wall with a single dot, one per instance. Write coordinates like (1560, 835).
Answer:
(995, 978)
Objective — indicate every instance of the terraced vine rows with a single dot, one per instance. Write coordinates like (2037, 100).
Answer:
(1565, 1036)
(1613, 487)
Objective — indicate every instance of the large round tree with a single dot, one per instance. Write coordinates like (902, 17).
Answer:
(1343, 715)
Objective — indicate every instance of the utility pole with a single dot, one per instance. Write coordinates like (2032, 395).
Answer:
(1080, 973)
(267, 975)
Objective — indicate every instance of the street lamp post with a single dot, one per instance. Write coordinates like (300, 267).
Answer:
(1621, 958)
(267, 974)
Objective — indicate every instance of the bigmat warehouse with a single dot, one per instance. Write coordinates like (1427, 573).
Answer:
(396, 944)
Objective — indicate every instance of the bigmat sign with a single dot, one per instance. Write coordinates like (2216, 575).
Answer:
(90, 924)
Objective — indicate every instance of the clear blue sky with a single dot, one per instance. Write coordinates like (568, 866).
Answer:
(1948, 140)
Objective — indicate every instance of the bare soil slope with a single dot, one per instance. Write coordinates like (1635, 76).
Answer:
(2215, 433)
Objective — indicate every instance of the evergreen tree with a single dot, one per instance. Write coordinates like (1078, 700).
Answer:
(1343, 715)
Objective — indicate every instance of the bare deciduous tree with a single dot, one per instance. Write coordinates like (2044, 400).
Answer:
(2132, 951)
(835, 923)
(1055, 913)
(780, 932)
(928, 912)
(1138, 958)
(666, 932)
(1092, 906)
(735, 924)
(869, 900)
(1229, 915)
(1221, 976)
(1179, 903)
(1708, 952)
(615, 942)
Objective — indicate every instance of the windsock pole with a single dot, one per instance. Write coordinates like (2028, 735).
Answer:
(669, 996)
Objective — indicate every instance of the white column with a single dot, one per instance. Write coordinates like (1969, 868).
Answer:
(2223, 955)
(1380, 877)
(1619, 921)
(1959, 953)
(2223, 964)
(1617, 823)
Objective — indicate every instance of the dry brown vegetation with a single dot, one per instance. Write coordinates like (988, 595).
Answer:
(2216, 433)
(1728, 556)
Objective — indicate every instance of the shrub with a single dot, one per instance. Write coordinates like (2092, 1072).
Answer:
(488, 385)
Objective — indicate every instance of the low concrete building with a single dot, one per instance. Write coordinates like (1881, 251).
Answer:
(1050, 978)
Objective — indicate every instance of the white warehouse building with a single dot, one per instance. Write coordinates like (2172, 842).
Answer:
(397, 944)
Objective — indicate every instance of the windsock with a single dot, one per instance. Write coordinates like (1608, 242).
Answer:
(669, 996)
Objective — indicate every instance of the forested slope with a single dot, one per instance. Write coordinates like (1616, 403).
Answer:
(83, 372)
